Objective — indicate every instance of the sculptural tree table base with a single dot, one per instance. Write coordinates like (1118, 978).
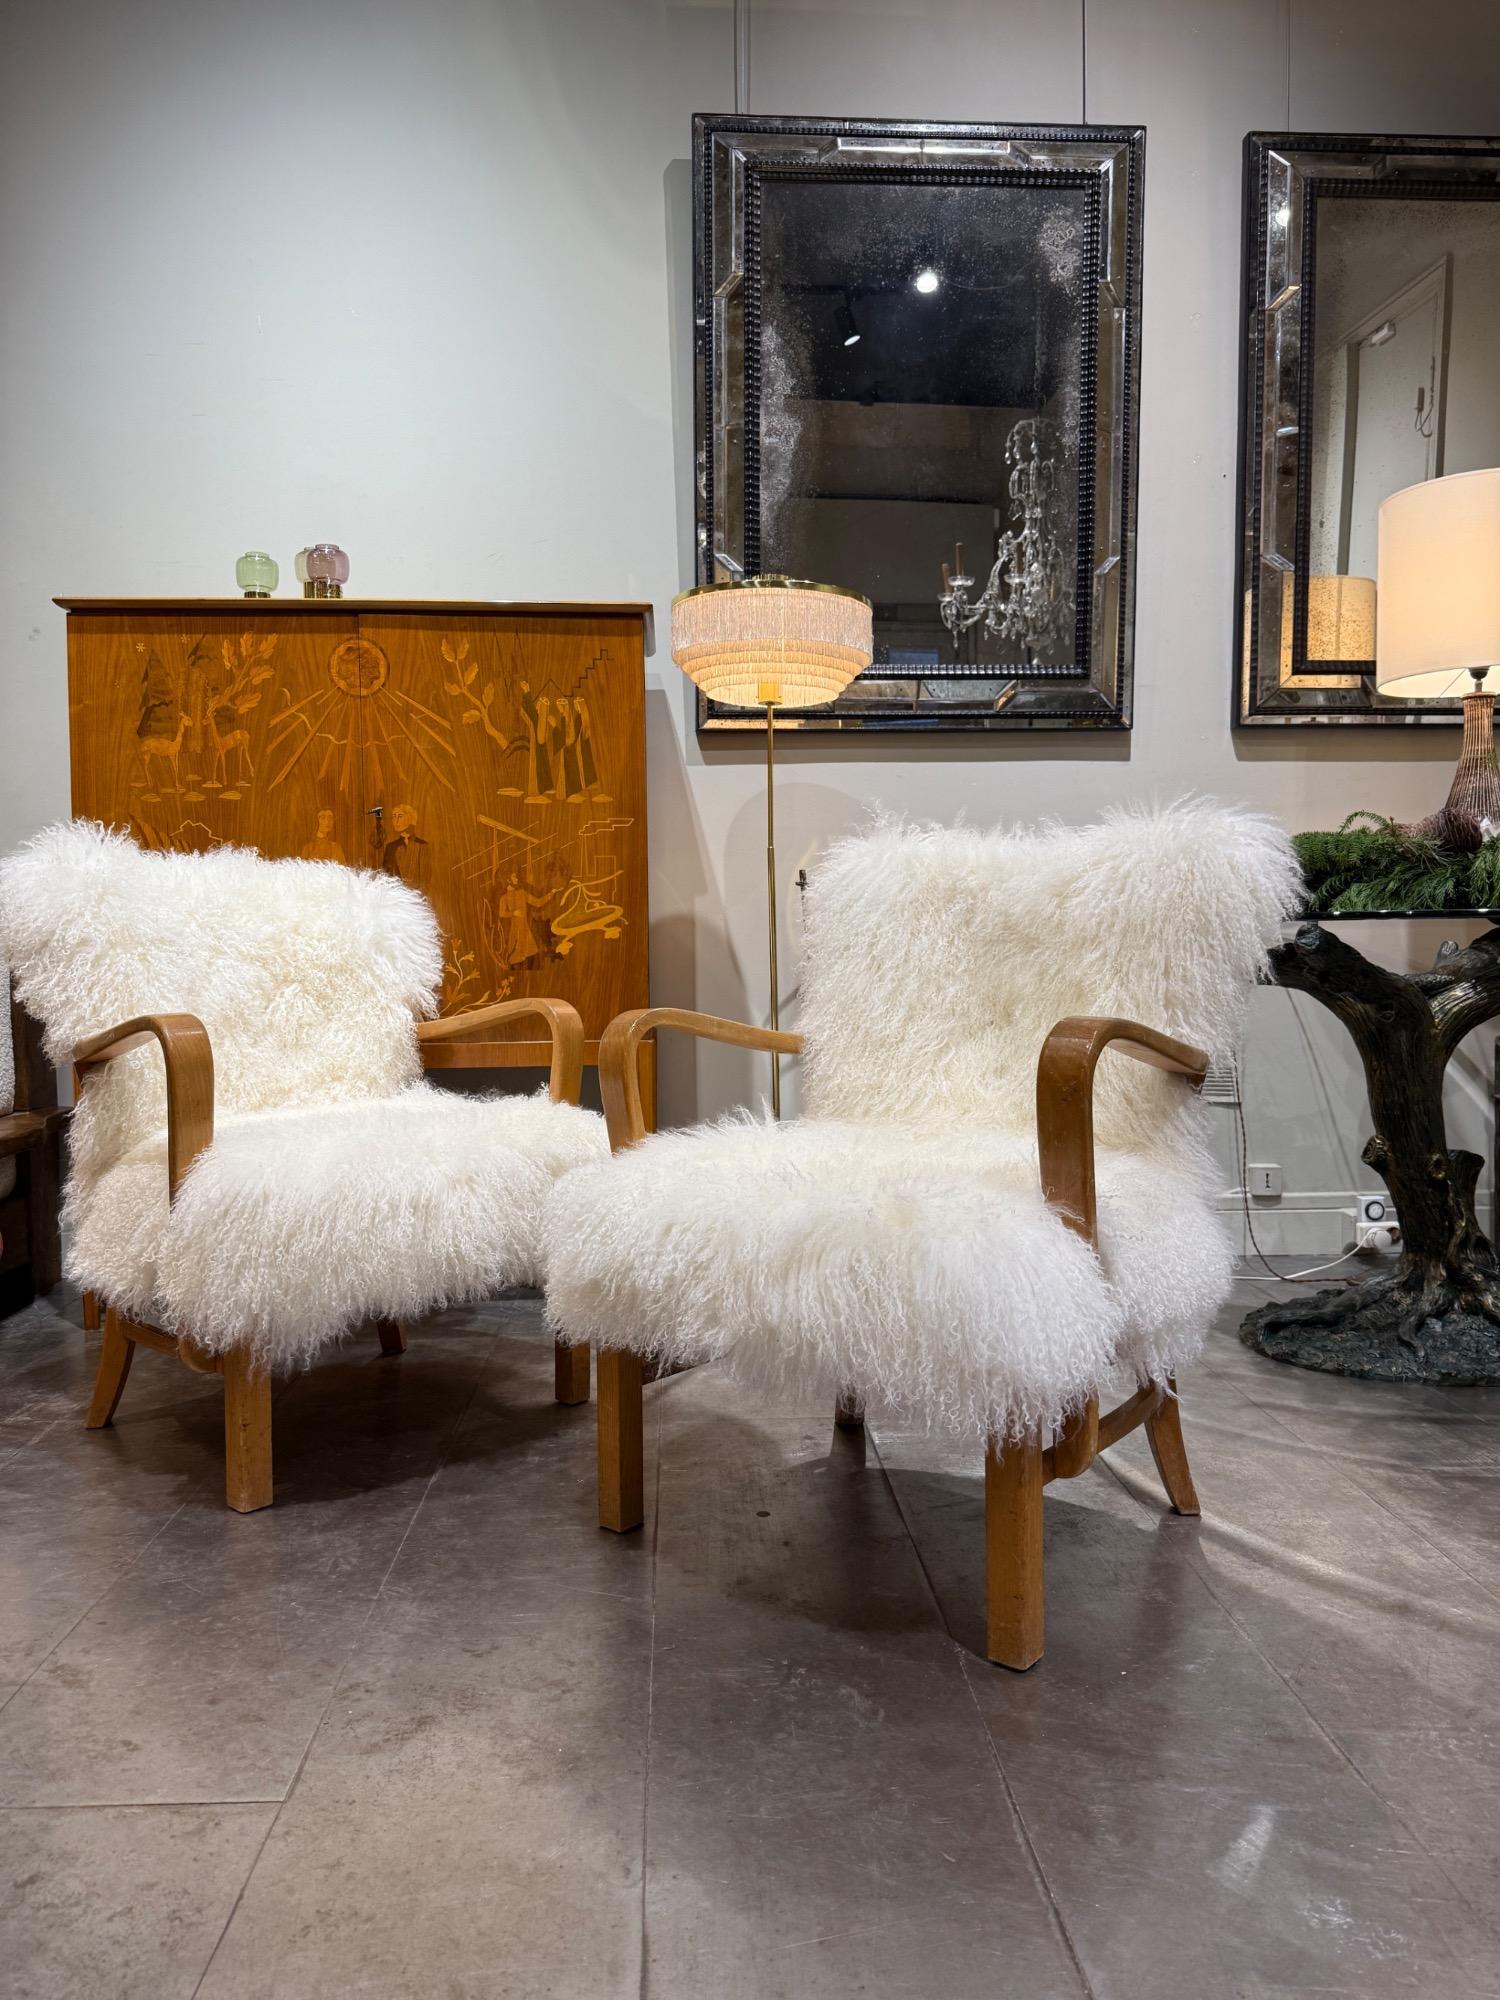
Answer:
(1436, 1317)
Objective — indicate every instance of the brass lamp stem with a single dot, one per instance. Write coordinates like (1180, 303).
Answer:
(771, 897)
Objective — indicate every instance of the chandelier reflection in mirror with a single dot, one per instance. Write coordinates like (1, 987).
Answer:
(992, 275)
(1028, 599)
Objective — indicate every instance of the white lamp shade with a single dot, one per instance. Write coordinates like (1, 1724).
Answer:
(1438, 575)
(771, 639)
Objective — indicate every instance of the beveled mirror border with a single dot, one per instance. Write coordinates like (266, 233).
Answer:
(731, 155)
(1287, 175)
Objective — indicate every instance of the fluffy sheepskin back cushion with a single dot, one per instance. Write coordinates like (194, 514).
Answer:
(936, 960)
(308, 976)
(7, 1073)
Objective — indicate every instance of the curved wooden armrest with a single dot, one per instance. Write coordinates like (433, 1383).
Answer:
(619, 1058)
(189, 1059)
(565, 1079)
(1065, 1146)
(1065, 1103)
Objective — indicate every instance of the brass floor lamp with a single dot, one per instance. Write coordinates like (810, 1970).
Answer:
(771, 642)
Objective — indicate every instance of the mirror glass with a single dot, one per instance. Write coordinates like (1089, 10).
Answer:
(917, 378)
(1372, 281)
(1405, 383)
(919, 408)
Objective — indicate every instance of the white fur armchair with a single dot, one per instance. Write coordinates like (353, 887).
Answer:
(913, 1239)
(257, 1167)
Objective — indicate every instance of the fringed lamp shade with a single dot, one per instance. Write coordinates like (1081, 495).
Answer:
(770, 639)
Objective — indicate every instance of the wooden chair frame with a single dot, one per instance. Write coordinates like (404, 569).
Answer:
(188, 1057)
(31, 1135)
(1016, 1471)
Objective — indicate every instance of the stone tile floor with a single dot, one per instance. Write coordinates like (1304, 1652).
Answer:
(423, 1730)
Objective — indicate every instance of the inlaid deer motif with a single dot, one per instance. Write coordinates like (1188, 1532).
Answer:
(165, 749)
(228, 734)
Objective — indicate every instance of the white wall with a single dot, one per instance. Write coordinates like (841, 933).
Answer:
(417, 278)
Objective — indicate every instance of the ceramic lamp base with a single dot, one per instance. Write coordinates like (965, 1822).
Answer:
(1471, 814)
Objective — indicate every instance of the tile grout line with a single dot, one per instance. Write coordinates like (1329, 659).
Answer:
(1450, 1415)
(27, 1444)
(1319, 1726)
(1412, 1528)
(1339, 1463)
(94, 1602)
(314, 1732)
(916, 1547)
(115, 1580)
(140, 1805)
(1022, 1831)
(1303, 1444)
(643, 1986)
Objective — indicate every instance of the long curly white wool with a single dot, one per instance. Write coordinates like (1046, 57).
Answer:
(338, 1185)
(894, 1239)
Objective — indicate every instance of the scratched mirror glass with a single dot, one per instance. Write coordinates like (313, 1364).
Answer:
(919, 410)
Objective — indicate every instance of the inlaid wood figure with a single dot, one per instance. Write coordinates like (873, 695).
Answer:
(490, 755)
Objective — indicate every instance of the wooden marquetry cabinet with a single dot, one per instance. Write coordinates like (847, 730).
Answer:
(493, 755)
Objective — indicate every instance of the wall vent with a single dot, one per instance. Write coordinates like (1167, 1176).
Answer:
(1222, 1084)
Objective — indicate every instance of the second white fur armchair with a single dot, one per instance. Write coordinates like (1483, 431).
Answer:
(257, 1167)
(985, 1213)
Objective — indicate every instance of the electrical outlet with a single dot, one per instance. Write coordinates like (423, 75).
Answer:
(1378, 1235)
(1264, 1182)
(1378, 1227)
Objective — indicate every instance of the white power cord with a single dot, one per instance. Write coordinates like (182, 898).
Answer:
(1292, 1277)
(1280, 1277)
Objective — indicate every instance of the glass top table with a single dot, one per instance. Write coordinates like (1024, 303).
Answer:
(1436, 1317)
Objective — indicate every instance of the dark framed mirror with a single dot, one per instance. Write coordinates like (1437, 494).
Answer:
(1372, 282)
(917, 377)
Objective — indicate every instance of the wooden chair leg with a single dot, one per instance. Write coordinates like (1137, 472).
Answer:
(114, 1368)
(1013, 1553)
(622, 1498)
(849, 1411)
(247, 1434)
(43, 1198)
(1164, 1435)
(91, 1312)
(570, 1372)
(391, 1335)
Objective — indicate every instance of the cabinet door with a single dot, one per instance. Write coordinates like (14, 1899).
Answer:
(196, 730)
(507, 758)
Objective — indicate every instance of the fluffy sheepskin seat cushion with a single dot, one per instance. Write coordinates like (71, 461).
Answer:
(894, 1240)
(338, 1185)
(7, 1082)
(925, 1269)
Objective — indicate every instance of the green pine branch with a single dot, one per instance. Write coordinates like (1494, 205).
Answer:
(1369, 863)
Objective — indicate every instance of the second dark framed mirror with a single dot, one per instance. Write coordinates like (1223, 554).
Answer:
(1372, 282)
